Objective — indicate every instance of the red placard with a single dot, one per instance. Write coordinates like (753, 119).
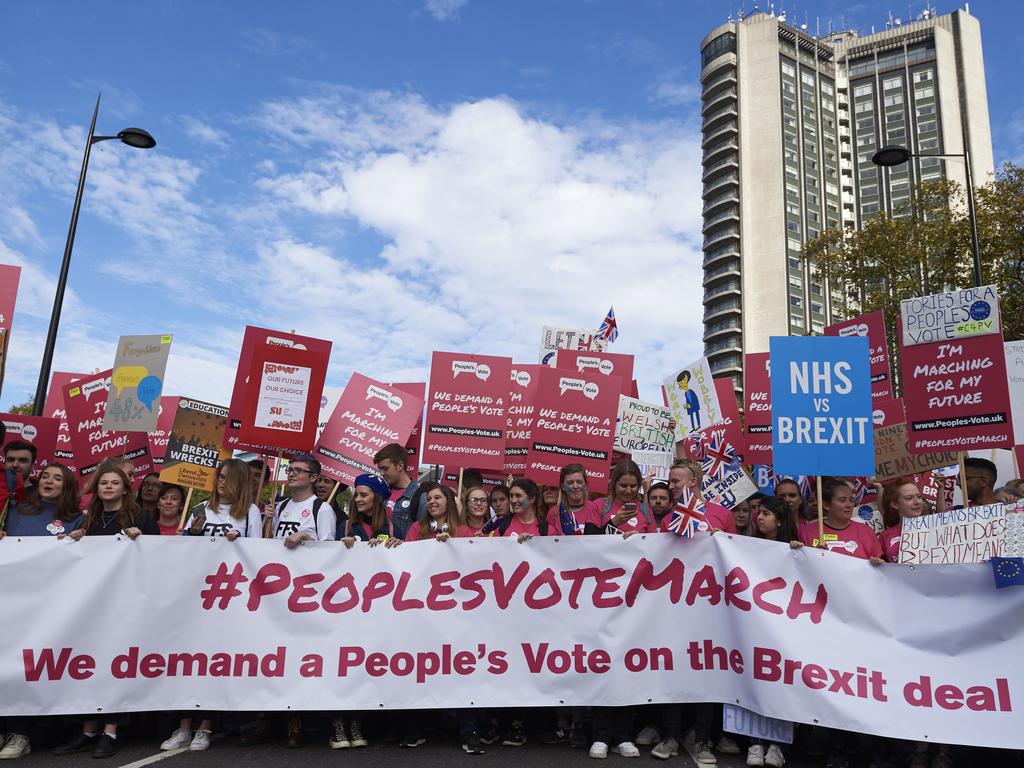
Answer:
(85, 401)
(39, 431)
(885, 412)
(450, 478)
(255, 338)
(871, 325)
(599, 363)
(53, 407)
(368, 416)
(757, 407)
(956, 395)
(524, 380)
(165, 420)
(466, 410)
(730, 414)
(412, 445)
(574, 423)
(282, 401)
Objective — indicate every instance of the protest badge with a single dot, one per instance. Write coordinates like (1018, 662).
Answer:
(730, 418)
(158, 438)
(466, 410)
(195, 447)
(53, 407)
(954, 372)
(971, 535)
(736, 719)
(691, 395)
(525, 378)
(412, 446)
(138, 379)
(85, 401)
(603, 363)
(642, 430)
(369, 415)
(554, 338)
(757, 409)
(574, 423)
(254, 339)
(821, 406)
(872, 327)
(1014, 353)
(328, 402)
(285, 387)
(40, 431)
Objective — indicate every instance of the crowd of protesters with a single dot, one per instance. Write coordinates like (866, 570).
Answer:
(391, 509)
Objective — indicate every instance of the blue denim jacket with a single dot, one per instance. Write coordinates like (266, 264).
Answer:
(402, 516)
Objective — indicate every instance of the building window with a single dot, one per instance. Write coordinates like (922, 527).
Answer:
(722, 44)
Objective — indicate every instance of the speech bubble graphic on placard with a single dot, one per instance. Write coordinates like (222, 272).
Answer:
(583, 363)
(462, 366)
(394, 402)
(606, 367)
(570, 385)
(590, 390)
(861, 329)
(522, 378)
(100, 385)
(29, 432)
(878, 416)
(149, 390)
(128, 376)
(483, 371)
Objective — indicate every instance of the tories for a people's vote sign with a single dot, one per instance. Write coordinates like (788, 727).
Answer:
(466, 410)
(954, 372)
(369, 415)
(39, 431)
(574, 424)
(602, 363)
(871, 326)
(821, 406)
(524, 380)
(757, 407)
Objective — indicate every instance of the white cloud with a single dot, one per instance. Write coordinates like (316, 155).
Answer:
(269, 42)
(204, 132)
(444, 10)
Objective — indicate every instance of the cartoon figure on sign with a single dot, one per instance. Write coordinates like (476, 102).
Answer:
(692, 401)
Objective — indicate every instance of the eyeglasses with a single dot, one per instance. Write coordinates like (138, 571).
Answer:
(296, 470)
(478, 501)
(151, 484)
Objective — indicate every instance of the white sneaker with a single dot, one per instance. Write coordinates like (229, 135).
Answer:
(626, 749)
(755, 755)
(599, 750)
(647, 737)
(665, 749)
(15, 745)
(701, 753)
(180, 738)
(727, 746)
(200, 742)
(774, 758)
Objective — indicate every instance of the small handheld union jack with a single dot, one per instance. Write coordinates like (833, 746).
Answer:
(688, 516)
(609, 330)
(719, 457)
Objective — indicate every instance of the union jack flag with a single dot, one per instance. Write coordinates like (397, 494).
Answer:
(688, 516)
(696, 446)
(719, 457)
(609, 330)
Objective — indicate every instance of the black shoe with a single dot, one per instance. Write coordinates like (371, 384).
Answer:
(81, 743)
(105, 747)
(472, 745)
(578, 736)
(557, 736)
(515, 737)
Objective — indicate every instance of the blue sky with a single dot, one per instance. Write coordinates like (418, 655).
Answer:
(396, 175)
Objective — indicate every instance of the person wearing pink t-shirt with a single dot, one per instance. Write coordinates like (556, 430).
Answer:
(570, 516)
(621, 511)
(841, 533)
(900, 499)
(525, 522)
(686, 473)
(475, 513)
(442, 520)
(169, 505)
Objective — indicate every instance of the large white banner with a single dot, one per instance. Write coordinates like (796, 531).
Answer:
(918, 653)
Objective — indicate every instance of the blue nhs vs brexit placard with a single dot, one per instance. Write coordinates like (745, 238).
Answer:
(821, 406)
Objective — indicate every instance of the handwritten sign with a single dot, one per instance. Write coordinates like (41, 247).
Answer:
(642, 428)
(893, 457)
(970, 535)
(691, 395)
(555, 338)
(950, 316)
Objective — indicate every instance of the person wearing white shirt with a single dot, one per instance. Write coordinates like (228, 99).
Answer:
(302, 516)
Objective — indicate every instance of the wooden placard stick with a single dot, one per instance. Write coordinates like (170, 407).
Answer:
(184, 510)
(334, 491)
(273, 493)
(821, 516)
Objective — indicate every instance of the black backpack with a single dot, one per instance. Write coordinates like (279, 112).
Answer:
(317, 503)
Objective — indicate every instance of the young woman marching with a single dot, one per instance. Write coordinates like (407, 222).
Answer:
(148, 492)
(842, 534)
(621, 511)
(900, 499)
(230, 512)
(442, 520)
(570, 517)
(170, 503)
(500, 501)
(475, 513)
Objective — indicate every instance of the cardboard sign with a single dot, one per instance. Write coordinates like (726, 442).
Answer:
(254, 339)
(956, 394)
(970, 535)
(574, 423)
(871, 326)
(642, 429)
(85, 401)
(53, 407)
(1014, 353)
(691, 395)
(37, 430)
(412, 445)
(195, 447)
(159, 437)
(757, 408)
(893, 457)
(466, 410)
(553, 339)
(138, 379)
(821, 406)
(603, 363)
(739, 720)
(521, 411)
(950, 316)
(369, 416)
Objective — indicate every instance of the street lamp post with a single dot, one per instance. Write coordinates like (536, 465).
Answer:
(889, 156)
(133, 137)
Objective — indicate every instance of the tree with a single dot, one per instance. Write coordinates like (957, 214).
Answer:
(25, 409)
(926, 249)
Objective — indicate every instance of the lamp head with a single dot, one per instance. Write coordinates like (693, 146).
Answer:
(138, 138)
(891, 155)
